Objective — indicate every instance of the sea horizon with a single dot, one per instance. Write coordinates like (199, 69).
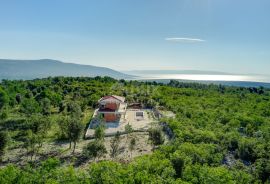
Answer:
(206, 77)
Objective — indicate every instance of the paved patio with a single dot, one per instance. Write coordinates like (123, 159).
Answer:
(140, 120)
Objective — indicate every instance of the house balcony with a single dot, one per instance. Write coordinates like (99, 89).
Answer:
(120, 110)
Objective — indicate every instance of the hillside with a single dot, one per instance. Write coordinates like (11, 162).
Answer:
(31, 69)
(219, 134)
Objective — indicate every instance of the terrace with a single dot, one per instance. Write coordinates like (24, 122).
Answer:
(139, 119)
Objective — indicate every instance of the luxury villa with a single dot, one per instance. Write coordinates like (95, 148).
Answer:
(112, 108)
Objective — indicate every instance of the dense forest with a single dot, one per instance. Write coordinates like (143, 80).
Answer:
(221, 134)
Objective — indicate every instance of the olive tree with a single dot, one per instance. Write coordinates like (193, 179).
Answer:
(156, 137)
(75, 128)
(31, 143)
(128, 130)
(131, 146)
(95, 149)
(115, 145)
(30, 106)
(100, 133)
(45, 106)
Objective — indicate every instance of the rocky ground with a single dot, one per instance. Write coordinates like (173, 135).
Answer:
(61, 150)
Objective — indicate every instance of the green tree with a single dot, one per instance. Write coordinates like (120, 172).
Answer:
(74, 109)
(63, 124)
(46, 106)
(75, 128)
(128, 130)
(262, 171)
(131, 146)
(95, 149)
(30, 106)
(100, 132)
(3, 114)
(115, 145)
(3, 143)
(108, 172)
(31, 144)
(205, 174)
(151, 169)
(156, 137)
(18, 98)
(3, 98)
(178, 164)
(247, 149)
(39, 125)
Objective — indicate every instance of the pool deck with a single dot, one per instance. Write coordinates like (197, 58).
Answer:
(137, 123)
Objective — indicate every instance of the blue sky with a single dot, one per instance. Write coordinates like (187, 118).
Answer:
(221, 35)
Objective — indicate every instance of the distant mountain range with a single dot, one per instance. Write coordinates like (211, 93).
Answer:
(31, 69)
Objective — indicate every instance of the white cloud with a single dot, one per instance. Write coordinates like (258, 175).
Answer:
(184, 40)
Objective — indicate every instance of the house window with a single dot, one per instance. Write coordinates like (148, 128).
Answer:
(139, 114)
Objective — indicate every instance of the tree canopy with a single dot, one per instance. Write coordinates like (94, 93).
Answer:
(221, 134)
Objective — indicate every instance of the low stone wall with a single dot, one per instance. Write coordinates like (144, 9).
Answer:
(114, 133)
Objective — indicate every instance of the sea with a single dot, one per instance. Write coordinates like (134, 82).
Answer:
(230, 80)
